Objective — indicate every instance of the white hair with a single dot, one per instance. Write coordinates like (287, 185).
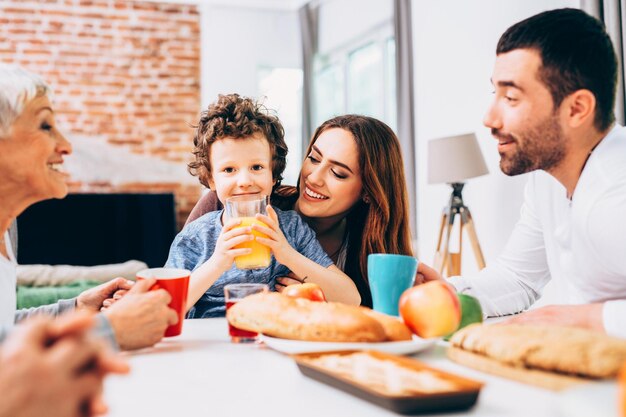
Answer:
(17, 88)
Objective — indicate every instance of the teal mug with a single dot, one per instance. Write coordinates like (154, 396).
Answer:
(389, 276)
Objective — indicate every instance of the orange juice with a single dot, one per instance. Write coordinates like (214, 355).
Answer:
(260, 256)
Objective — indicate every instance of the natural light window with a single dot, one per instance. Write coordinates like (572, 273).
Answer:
(281, 90)
(357, 79)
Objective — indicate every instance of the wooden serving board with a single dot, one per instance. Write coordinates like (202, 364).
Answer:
(543, 379)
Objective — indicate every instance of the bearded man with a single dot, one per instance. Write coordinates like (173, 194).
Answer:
(555, 79)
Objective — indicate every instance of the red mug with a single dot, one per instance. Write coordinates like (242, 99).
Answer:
(176, 283)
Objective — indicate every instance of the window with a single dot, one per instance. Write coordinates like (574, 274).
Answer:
(357, 79)
(329, 97)
(366, 81)
(282, 90)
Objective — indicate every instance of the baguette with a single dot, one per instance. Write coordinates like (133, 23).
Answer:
(277, 315)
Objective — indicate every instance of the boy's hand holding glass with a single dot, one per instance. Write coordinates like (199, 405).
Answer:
(274, 237)
(226, 250)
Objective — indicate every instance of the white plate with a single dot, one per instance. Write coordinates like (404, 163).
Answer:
(596, 399)
(299, 346)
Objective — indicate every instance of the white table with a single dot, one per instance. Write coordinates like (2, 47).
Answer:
(201, 373)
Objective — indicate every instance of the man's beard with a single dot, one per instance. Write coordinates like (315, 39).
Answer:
(541, 147)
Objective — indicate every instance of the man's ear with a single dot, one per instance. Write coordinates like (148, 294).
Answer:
(580, 107)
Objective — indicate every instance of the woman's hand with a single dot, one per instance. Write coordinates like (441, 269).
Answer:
(425, 274)
(275, 239)
(225, 251)
(290, 279)
(110, 301)
(93, 299)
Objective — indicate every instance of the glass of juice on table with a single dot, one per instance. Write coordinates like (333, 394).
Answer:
(234, 293)
(245, 208)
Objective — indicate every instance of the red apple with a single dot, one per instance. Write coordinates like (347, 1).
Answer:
(431, 309)
(308, 290)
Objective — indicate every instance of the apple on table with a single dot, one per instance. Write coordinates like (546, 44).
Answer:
(434, 309)
(308, 290)
(431, 309)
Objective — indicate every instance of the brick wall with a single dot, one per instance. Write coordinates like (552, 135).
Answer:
(125, 71)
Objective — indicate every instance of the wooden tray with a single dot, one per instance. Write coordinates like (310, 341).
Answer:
(462, 393)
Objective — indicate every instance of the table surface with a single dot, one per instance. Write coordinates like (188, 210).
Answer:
(201, 373)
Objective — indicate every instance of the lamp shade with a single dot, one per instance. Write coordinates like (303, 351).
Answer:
(455, 159)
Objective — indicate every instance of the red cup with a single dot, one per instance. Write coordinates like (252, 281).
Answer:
(176, 283)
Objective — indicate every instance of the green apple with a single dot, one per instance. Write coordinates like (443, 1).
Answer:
(471, 312)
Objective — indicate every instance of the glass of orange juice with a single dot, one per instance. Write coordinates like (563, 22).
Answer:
(245, 207)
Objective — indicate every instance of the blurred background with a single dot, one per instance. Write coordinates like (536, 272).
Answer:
(130, 78)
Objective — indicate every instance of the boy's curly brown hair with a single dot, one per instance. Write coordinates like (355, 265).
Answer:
(236, 117)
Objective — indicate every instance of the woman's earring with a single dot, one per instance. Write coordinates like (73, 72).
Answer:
(366, 199)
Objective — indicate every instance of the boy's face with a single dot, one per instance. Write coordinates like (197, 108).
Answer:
(241, 166)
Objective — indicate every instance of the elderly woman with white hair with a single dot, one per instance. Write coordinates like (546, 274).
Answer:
(56, 366)
(32, 150)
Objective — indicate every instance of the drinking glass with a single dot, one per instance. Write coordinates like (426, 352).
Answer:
(234, 293)
(245, 207)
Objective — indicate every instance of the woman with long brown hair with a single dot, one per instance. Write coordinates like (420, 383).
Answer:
(351, 192)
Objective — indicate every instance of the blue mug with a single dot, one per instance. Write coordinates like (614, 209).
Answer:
(389, 276)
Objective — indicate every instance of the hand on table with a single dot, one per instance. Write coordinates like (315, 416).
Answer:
(140, 318)
(93, 299)
(290, 279)
(53, 367)
(588, 316)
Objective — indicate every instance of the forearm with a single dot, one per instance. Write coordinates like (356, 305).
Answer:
(48, 310)
(499, 290)
(201, 280)
(336, 285)
(585, 316)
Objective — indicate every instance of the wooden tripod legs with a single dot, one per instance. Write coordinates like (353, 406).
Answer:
(451, 262)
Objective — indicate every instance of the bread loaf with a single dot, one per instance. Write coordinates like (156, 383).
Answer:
(395, 329)
(564, 350)
(276, 315)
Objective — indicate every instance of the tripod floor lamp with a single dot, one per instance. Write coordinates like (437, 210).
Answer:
(453, 160)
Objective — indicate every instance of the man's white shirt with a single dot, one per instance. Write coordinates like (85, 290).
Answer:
(579, 242)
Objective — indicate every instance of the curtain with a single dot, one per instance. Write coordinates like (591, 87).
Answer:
(309, 33)
(613, 14)
(404, 101)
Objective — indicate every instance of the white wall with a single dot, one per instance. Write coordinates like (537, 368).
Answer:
(236, 41)
(454, 53)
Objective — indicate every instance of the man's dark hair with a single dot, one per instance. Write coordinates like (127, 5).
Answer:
(576, 53)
